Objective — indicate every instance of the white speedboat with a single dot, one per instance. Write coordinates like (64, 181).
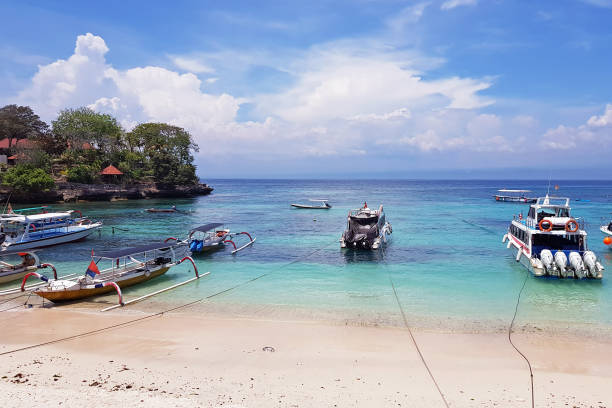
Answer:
(323, 205)
(550, 242)
(19, 232)
(366, 229)
(209, 237)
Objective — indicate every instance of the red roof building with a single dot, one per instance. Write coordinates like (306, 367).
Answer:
(111, 171)
(25, 143)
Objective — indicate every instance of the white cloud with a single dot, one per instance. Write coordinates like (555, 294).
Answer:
(191, 64)
(451, 4)
(603, 120)
(596, 132)
(407, 16)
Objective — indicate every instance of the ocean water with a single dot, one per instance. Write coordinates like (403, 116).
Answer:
(446, 258)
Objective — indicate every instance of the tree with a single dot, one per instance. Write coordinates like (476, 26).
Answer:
(25, 178)
(76, 127)
(167, 149)
(20, 122)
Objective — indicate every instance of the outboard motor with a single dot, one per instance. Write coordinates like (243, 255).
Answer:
(561, 262)
(590, 261)
(548, 261)
(576, 263)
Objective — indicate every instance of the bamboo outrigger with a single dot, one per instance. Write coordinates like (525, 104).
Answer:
(125, 271)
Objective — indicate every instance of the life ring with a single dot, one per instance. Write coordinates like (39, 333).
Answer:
(541, 225)
(33, 227)
(571, 222)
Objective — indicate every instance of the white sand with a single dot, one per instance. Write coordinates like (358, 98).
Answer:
(197, 360)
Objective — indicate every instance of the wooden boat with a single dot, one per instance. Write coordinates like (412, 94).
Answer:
(324, 205)
(12, 272)
(212, 236)
(156, 259)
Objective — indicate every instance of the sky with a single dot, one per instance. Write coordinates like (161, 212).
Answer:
(333, 89)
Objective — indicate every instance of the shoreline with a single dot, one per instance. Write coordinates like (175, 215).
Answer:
(186, 359)
(65, 192)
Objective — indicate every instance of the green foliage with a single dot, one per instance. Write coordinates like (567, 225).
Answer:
(81, 173)
(166, 151)
(20, 122)
(26, 178)
(81, 142)
(82, 128)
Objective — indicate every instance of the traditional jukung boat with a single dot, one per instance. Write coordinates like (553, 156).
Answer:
(125, 270)
(514, 196)
(366, 229)
(550, 242)
(212, 236)
(20, 232)
(324, 205)
(11, 272)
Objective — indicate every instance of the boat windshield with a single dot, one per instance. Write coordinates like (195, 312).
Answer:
(553, 212)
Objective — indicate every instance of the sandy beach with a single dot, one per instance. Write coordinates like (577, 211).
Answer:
(186, 360)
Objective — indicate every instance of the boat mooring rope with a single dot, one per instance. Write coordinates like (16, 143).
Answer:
(416, 345)
(518, 300)
(139, 319)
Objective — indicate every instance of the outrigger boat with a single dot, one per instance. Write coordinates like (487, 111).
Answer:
(366, 229)
(19, 232)
(514, 196)
(324, 205)
(209, 237)
(125, 270)
(12, 272)
(550, 242)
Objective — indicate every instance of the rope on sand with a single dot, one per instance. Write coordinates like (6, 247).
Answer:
(416, 344)
(139, 319)
(518, 300)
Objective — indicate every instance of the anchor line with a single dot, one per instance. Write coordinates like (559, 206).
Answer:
(518, 300)
(139, 319)
(416, 345)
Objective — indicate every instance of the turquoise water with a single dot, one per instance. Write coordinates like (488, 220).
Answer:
(446, 258)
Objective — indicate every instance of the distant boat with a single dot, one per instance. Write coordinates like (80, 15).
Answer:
(163, 210)
(514, 196)
(324, 205)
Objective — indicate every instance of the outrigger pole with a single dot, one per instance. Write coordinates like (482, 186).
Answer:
(242, 247)
(138, 299)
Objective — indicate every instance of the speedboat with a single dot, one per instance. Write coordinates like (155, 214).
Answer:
(172, 209)
(19, 232)
(323, 205)
(550, 242)
(514, 196)
(366, 229)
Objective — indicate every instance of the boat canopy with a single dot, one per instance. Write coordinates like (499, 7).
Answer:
(322, 200)
(206, 227)
(120, 253)
(504, 190)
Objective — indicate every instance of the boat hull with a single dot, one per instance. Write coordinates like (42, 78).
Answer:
(11, 275)
(310, 207)
(57, 296)
(52, 240)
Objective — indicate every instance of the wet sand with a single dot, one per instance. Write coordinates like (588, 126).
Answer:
(187, 359)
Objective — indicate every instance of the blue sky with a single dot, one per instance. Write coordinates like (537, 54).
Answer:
(464, 88)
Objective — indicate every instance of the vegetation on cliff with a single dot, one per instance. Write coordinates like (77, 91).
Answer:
(81, 142)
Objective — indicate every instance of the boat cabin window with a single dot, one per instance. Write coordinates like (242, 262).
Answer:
(558, 242)
(364, 220)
